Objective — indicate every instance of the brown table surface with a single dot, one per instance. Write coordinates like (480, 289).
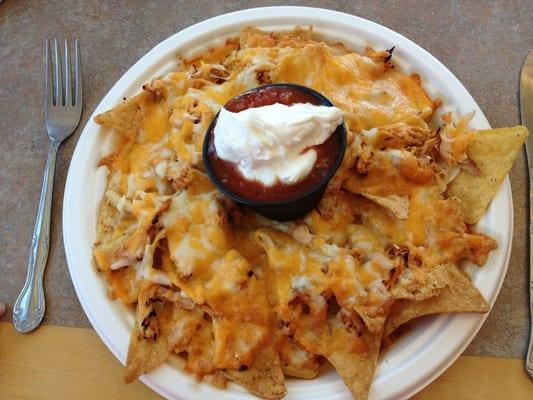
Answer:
(483, 44)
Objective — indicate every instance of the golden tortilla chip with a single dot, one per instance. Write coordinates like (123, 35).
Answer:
(429, 284)
(397, 205)
(460, 295)
(264, 378)
(300, 373)
(494, 152)
(231, 353)
(145, 355)
(200, 351)
(167, 328)
(108, 238)
(128, 116)
(352, 350)
(295, 360)
(357, 370)
(374, 317)
(122, 283)
(254, 37)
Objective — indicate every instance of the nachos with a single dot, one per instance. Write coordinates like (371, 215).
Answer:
(251, 300)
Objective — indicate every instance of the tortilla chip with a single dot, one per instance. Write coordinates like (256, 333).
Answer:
(200, 351)
(128, 116)
(231, 353)
(357, 370)
(397, 205)
(295, 360)
(108, 238)
(254, 37)
(175, 328)
(300, 373)
(373, 317)
(435, 279)
(353, 351)
(264, 378)
(145, 355)
(122, 283)
(494, 152)
(460, 295)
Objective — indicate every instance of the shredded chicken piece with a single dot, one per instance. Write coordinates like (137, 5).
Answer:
(454, 241)
(418, 170)
(150, 296)
(381, 57)
(401, 136)
(430, 147)
(363, 161)
(180, 175)
(400, 255)
(211, 73)
(219, 380)
(454, 139)
(334, 201)
(157, 92)
(351, 321)
(107, 161)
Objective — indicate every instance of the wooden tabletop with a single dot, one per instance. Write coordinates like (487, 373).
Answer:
(483, 43)
(72, 363)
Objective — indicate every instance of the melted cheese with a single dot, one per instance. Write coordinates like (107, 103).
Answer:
(243, 270)
(358, 86)
(215, 274)
(155, 123)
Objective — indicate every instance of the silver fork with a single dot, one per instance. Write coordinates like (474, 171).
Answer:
(62, 114)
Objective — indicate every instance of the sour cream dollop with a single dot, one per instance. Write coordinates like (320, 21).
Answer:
(267, 143)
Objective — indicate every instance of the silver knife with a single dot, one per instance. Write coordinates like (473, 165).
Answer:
(526, 112)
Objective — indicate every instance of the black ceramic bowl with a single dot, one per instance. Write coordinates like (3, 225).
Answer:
(291, 207)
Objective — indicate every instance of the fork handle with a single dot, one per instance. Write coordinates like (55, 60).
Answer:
(29, 308)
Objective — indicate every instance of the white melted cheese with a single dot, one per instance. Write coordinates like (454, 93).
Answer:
(159, 277)
(370, 136)
(268, 143)
(301, 283)
(161, 169)
(396, 155)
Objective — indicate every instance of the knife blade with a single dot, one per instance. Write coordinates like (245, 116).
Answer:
(526, 113)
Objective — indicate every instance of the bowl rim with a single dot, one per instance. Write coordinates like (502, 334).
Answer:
(340, 130)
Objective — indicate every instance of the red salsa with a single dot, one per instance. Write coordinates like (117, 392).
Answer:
(228, 173)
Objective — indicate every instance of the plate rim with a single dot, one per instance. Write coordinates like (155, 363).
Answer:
(270, 12)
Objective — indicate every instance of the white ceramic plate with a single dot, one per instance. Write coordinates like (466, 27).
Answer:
(419, 357)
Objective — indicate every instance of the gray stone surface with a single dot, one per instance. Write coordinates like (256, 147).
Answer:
(484, 44)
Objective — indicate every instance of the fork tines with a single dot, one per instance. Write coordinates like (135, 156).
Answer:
(60, 90)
